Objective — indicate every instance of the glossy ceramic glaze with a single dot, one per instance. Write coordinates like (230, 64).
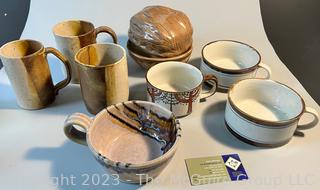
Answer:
(72, 35)
(177, 86)
(103, 72)
(26, 65)
(231, 61)
(265, 112)
(133, 139)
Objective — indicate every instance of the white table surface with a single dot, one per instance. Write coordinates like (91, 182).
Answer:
(35, 152)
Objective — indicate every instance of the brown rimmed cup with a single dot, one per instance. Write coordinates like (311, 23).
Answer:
(231, 61)
(177, 86)
(265, 112)
(72, 35)
(26, 64)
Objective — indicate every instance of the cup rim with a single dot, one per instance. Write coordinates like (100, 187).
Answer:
(231, 71)
(22, 57)
(73, 36)
(265, 121)
(149, 162)
(100, 66)
(174, 92)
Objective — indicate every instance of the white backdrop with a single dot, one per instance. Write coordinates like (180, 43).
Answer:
(35, 151)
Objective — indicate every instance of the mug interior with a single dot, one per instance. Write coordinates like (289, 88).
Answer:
(230, 55)
(73, 28)
(100, 54)
(174, 76)
(20, 48)
(266, 100)
(133, 132)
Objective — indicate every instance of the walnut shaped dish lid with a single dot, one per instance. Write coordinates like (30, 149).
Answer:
(161, 31)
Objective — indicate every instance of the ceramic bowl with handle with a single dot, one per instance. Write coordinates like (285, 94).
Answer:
(133, 140)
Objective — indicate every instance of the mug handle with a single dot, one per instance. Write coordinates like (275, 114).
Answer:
(213, 82)
(73, 133)
(266, 68)
(66, 81)
(107, 30)
(312, 123)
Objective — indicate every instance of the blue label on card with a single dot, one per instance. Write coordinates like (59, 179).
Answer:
(235, 167)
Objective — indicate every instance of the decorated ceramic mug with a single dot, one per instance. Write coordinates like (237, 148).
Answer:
(177, 86)
(133, 140)
(265, 112)
(231, 61)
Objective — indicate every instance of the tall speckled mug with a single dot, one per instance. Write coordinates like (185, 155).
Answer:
(72, 35)
(27, 68)
(103, 74)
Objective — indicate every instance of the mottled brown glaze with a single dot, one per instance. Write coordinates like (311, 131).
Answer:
(146, 62)
(132, 139)
(103, 74)
(27, 68)
(72, 35)
(161, 31)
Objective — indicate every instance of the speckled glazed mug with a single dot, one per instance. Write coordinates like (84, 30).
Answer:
(134, 140)
(265, 112)
(177, 86)
(72, 35)
(231, 61)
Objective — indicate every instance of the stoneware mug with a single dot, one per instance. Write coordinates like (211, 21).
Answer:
(133, 140)
(231, 61)
(72, 35)
(27, 68)
(265, 112)
(103, 73)
(177, 86)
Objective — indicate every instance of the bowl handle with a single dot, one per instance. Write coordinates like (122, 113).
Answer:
(74, 134)
(311, 123)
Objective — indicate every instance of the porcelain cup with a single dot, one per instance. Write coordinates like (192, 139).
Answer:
(231, 61)
(133, 140)
(265, 112)
(26, 64)
(103, 74)
(72, 35)
(177, 86)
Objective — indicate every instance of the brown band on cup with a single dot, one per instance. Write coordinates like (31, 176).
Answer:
(257, 144)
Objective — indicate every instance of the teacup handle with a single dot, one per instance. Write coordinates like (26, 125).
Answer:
(107, 30)
(266, 68)
(73, 133)
(66, 81)
(312, 123)
(213, 82)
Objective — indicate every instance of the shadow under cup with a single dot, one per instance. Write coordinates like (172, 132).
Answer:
(103, 75)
